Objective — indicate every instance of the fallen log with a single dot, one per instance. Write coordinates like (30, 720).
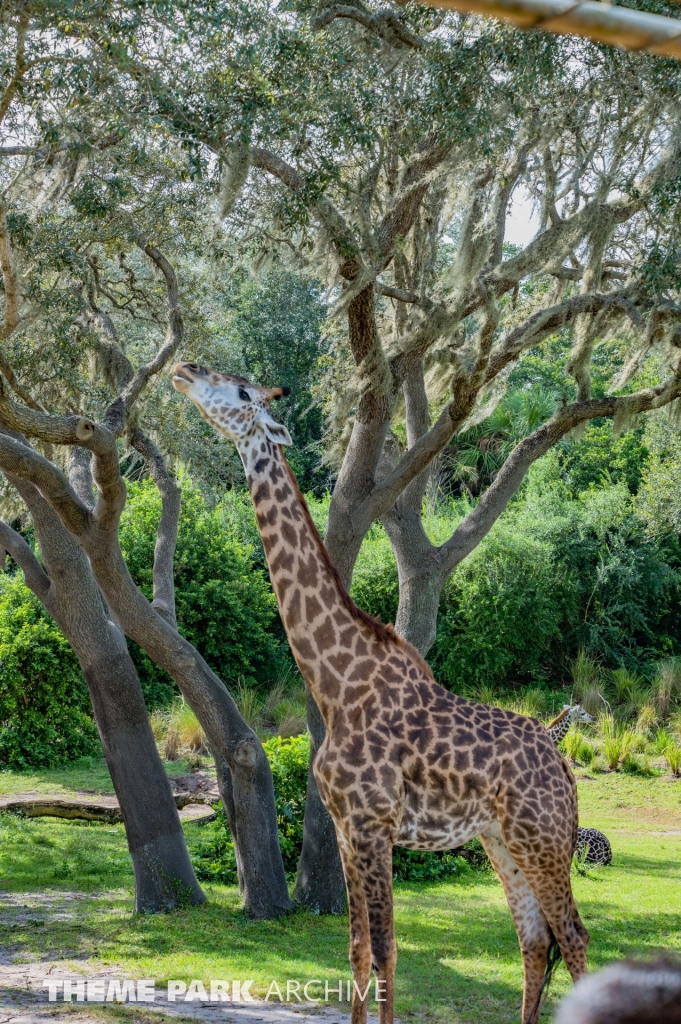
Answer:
(85, 810)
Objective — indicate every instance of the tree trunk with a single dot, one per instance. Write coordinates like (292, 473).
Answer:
(417, 613)
(164, 877)
(320, 885)
(244, 774)
(418, 567)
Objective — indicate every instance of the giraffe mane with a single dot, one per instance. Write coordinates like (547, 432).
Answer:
(559, 718)
(385, 634)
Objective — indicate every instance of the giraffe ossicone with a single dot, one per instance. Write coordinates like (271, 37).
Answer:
(404, 762)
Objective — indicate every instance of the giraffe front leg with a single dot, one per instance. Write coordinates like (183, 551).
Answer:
(373, 857)
(360, 944)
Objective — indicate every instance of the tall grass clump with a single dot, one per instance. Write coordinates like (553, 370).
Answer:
(666, 685)
(586, 685)
(629, 692)
(672, 755)
(577, 749)
(618, 741)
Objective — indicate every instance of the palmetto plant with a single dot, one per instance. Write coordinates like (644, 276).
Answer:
(630, 692)
(476, 455)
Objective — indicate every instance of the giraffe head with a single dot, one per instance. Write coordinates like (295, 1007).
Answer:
(231, 404)
(577, 713)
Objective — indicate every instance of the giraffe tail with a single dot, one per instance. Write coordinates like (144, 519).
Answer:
(553, 958)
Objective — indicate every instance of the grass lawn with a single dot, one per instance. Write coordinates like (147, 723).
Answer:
(458, 954)
(88, 775)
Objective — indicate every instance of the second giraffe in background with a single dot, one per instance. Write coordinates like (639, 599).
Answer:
(597, 845)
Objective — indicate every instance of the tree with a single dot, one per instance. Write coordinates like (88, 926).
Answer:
(414, 212)
(72, 174)
(164, 877)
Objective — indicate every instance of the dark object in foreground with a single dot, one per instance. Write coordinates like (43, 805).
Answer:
(626, 993)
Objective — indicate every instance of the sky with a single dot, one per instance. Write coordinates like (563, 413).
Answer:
(522, 223)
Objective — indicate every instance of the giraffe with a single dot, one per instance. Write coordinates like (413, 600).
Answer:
(404, 762)
(560, 725)
(596, 844)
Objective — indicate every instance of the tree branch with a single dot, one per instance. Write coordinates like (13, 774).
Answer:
(340, 234)
(385, 23)
(166, 536)
(117, 414)
(35, 576)
(20, 460)
(480, 520)
(547, 321)
(11, 315)
(19, 66)
(73, 430)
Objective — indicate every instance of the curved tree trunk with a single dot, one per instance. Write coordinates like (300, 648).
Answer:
(244, 774)
(164, 877)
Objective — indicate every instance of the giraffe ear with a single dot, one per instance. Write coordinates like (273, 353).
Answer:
(276, 432)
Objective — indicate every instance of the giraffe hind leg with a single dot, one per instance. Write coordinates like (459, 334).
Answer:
(546, 867)
(537, 943)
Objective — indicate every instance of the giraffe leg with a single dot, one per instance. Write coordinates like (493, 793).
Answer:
(530, 922)
(548, 872)
(373, 859)
(360, 942)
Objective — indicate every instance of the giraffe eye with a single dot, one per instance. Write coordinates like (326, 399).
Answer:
(244, 395)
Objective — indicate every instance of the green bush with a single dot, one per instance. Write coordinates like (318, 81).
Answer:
(500, 612)
(375, 586)
(225, 605)
(211, 846)
(289, 759)
(427, 865)
(45, 711)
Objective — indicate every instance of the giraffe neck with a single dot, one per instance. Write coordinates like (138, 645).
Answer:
(559, 727)
(335, 644)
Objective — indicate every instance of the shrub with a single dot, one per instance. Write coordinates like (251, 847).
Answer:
(375, 586)
(647, 720)
(225, 605)
(667, 685)
(212, 849)
(499, 612)
(635, 765)
(577, 749)
(629, 691)
(427, 865)
(211, 845)
(617, 746)
(663, 739)
(45, 710)
(289, 759)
